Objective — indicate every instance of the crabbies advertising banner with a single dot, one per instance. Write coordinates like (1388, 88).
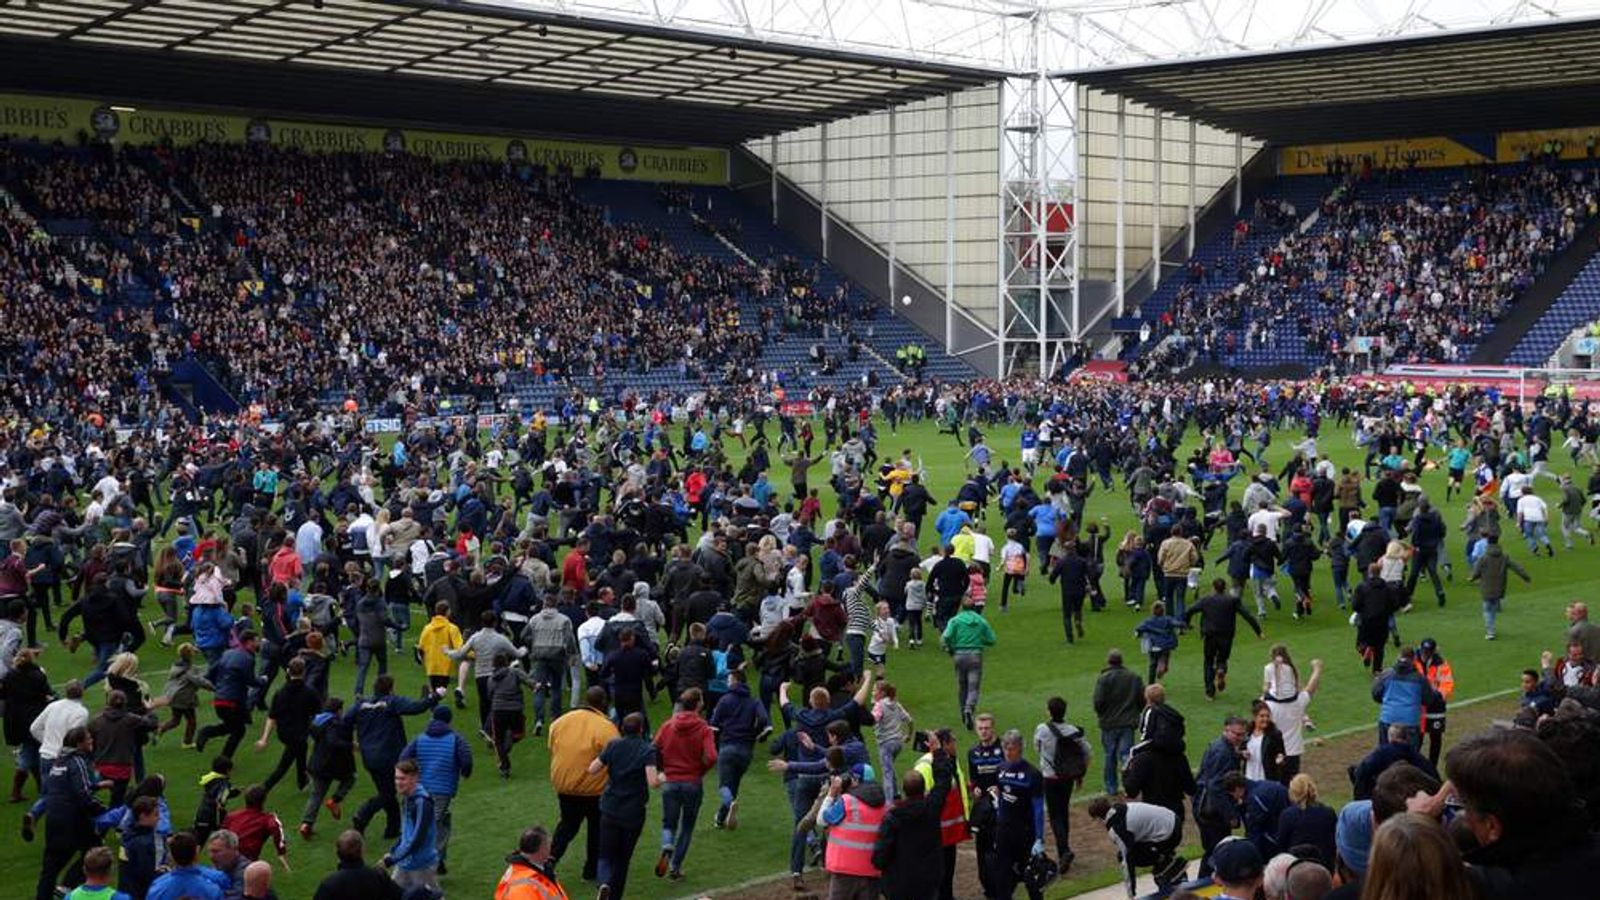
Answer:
(69, 119)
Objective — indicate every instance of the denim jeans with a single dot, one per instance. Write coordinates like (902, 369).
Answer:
(1491, 610)
(364, 659)
(856, 647)
(802, 791)
(400, 615)
(733, 760)
(102, 658)
(1116, 742)
(547, 675)
(1177, 586)
(1536, 533)
(680, 806)
(1386, 519)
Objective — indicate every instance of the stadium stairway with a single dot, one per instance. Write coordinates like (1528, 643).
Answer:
(1222, 260)
(1567, 297)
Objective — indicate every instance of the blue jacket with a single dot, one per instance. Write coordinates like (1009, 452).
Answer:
(443, 756)
(1402, 692)
(69, 801)
(1264, 802)
(233, 676)
(197, 882)
(416, 849)
(855, 753)
(212, 625)
(517, 597)
(1220, 758)
(1161, 630)
(379, 730)
(739, 718)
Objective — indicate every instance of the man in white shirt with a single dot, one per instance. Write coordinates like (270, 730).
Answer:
(1267, 518)
(59, 717)
(107, 489)
(1290, 717)
(982, 550)
(1533, 517)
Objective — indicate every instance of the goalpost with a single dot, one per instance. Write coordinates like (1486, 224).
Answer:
(1552, 381)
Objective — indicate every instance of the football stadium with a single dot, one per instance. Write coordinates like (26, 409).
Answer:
(910, 449)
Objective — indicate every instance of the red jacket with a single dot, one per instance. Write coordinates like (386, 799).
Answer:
(575, 572)
(255, 827)
(687, 746)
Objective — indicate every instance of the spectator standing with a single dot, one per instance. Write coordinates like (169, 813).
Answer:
(354, 879)
(1019, 804)
(186, 880)
(1064, 756)
(1213, 808)
(1289, 714)
(529, 873)
(1118, 699)
(910, 834)
(70, 810)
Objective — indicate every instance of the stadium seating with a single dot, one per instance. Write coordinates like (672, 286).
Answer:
(1577, 306)
(286, 284)
(1302, 319)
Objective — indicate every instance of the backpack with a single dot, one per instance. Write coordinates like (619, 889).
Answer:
(1069, 761)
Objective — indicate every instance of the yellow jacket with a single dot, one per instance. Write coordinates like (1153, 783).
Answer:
(576, 739)
(439, 635)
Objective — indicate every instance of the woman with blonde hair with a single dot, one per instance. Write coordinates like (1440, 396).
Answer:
(1307, 820)
(1413, 859)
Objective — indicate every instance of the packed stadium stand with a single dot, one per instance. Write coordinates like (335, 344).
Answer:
(286, 283)
(1428, 260)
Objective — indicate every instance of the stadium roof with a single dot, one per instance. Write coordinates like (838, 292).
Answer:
(1458, 82)
(584, 75)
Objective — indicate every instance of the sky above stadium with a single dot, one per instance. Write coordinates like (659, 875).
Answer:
(1083, 33)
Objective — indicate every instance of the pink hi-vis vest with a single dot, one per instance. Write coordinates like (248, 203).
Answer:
(851, 841)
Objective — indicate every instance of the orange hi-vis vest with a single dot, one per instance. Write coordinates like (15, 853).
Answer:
(851, 841)
(523, 882)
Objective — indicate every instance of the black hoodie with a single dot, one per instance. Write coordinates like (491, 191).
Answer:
(908, 839)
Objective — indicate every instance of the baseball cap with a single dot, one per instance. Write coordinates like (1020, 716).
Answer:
(1236, 860)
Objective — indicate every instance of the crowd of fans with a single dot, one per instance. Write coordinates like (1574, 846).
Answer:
(393, 279)
(596, 565)
(594, 561)
(1428, 275)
